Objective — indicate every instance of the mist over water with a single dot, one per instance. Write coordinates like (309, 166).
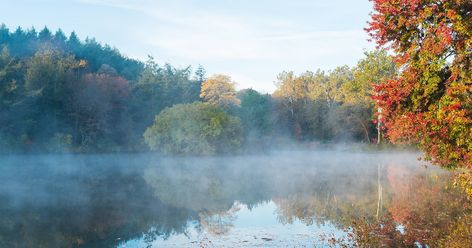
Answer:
(138, 200)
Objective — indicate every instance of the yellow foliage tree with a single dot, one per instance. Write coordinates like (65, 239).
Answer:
(219, 90)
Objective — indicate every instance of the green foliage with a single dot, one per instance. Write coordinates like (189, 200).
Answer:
(25, 43)
(375, 68)
(255, 112)
(303, 104)
(10, 71)
(197, 128)
(158, 88)
(335, 104)
(52, 85)
(59, 93)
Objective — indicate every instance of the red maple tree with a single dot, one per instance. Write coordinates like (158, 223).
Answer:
(430, 101)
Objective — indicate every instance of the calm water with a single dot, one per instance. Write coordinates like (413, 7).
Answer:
(282, 199)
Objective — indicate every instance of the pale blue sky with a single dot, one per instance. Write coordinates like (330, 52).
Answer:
(250, 40)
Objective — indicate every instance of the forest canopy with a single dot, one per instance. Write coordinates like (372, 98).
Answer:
(63, 94)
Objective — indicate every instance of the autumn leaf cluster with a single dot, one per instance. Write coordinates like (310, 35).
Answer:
(430, 102)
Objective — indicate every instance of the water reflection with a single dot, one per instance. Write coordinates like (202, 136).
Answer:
(285, 198)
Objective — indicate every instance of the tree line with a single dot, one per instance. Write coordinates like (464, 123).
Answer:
(59, 93)
(312, 107)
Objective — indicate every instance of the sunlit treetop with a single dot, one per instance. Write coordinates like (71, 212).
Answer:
(219, 90)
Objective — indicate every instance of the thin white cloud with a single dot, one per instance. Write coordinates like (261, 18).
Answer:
(251, 45)
(211, 37)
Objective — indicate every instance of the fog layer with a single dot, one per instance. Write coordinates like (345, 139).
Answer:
(105, 200)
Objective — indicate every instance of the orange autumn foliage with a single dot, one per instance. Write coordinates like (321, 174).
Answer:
(430, 102)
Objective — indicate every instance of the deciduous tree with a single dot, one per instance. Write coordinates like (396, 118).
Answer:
(198, 128)
(430, 102)
(219, 90)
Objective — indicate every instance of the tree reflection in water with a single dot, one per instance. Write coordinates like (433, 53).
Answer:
(105, 201)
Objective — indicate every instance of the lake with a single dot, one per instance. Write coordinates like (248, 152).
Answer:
(279, 199)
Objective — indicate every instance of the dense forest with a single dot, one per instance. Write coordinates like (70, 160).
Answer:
(63, 94)
(201, 148)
